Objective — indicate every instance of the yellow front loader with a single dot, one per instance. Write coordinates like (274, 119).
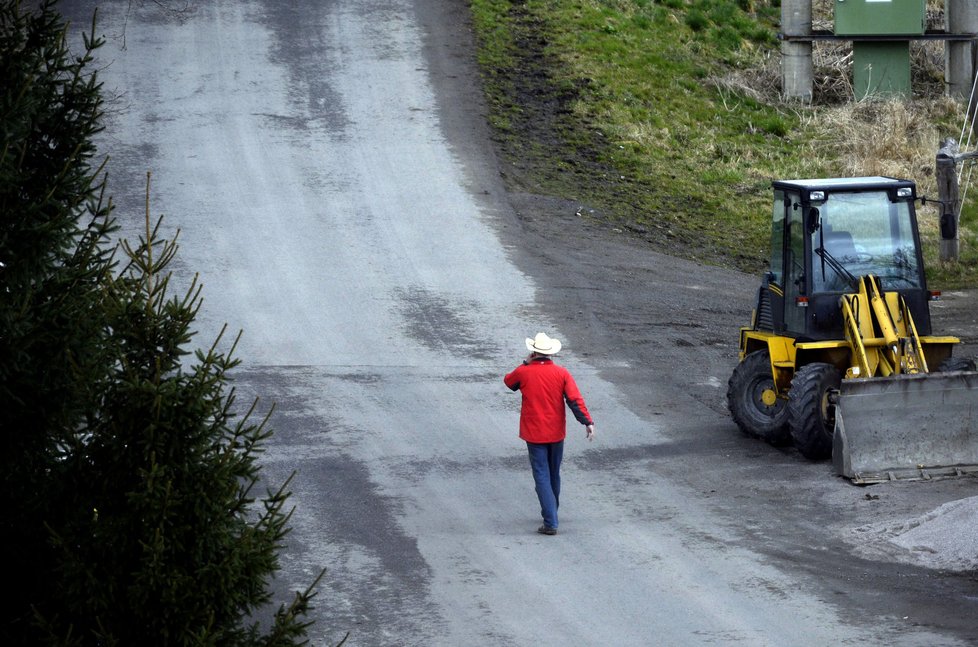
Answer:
(839, 358)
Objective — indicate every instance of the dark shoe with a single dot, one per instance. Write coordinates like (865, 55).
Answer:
(547, 530)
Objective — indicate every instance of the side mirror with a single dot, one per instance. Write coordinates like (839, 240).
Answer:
(813, 221)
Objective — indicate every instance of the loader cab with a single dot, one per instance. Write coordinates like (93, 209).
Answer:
(825, 235)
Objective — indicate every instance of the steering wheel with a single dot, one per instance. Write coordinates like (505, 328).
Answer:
(862, 258)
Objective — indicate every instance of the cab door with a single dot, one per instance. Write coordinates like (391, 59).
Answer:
(795, 277)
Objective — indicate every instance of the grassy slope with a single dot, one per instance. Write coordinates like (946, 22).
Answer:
(620, 105)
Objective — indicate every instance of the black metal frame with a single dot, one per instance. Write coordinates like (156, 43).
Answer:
(823, 34)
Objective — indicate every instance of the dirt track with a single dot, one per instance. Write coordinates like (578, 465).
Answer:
(624, 301)
(386, 358)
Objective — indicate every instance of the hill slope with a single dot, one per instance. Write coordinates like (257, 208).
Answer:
(663, 118)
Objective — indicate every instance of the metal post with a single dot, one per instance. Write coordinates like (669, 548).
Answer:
(947, 190)
(961, 17)
(797, 73)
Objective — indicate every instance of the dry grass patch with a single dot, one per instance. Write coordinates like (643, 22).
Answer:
(895, 138)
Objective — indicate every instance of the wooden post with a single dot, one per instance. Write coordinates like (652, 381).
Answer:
(947, 190)
(797, 72)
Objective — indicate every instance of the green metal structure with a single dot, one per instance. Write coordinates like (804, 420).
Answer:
(880, 17)
(881, 58)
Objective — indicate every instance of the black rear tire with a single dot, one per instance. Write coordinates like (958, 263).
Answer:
(745, 391)
(811, 417)
(956, 364)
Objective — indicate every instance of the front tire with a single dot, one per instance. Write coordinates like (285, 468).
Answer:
(753, 402)
(811, 417)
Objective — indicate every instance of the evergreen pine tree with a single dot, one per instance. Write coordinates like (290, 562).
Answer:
(53, 222)
(128, 480)
(164, 486)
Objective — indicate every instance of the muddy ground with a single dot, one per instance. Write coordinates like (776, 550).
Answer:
(664, 330)
(674, 323)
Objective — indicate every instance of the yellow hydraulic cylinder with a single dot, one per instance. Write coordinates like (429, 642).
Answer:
(883, 317)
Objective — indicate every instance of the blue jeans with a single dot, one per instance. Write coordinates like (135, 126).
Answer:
(545, 462)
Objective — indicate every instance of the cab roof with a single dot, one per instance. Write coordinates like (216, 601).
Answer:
(844, 184)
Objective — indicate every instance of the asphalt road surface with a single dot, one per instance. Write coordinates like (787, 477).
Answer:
(335, 186)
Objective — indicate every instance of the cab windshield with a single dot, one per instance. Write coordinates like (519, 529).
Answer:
(859, 234)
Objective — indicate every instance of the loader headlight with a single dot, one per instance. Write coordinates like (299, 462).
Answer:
(816, 196)
(904, 192)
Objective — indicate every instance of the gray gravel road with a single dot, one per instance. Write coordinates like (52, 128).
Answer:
(329, 169)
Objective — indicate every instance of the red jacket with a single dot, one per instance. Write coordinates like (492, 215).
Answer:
(545, 387)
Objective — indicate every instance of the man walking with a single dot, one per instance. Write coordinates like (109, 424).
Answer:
(545, 387)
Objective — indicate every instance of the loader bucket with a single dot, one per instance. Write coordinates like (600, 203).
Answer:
(907, 427)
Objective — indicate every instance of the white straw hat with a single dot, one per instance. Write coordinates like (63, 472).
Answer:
(543, 344)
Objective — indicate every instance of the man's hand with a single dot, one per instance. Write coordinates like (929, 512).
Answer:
(589, 430)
